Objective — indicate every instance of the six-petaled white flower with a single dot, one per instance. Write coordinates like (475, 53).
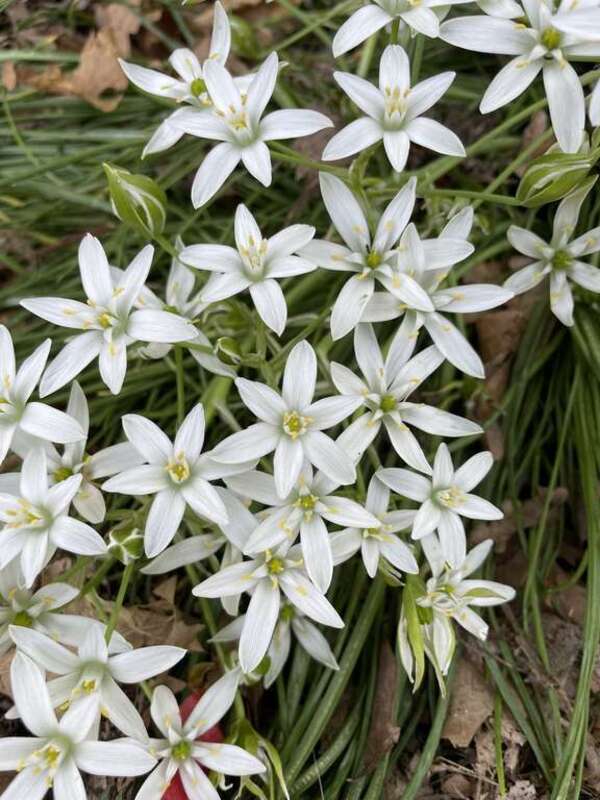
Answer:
(17, 413)
(177, 473)
(236, 121)
(36, 521)
(385, 390)
(560, 259)
(189, 88)
(108, 319)
(94, 671)
(58, 750)
(265, 577)
(428, 262)
(538, 46)
(292, 425)
(394, 113)
(421, 17)
(254, 265)
(380, 541)
(180, 752)
(445, 498)
(304, 512)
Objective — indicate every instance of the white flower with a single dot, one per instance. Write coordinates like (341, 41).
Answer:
(74, 460)
(265, 577)
(189, 87)
(94, 672)
(385, 391)
(236, 122)
(451, 592)
(421, 17)
(292, 425)
(560, 258)
(254, 265)
(177, 473)
(40, 610)
(291, 621)
(36, 520)
(16, 413)
(445, 498)
(107, 318)
(62, 748)
(304, 512)
(180, 285)
(394, 113)
(428, 262)
(380, 541)
(370, 260)
(179, 752)
(538, 46)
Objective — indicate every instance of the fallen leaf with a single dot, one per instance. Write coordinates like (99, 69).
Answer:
(383, 731)
(522, 790)
(121, 20)
(458, 786)
(471, 703)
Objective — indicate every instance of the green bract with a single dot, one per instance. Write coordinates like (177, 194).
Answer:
(137, 200)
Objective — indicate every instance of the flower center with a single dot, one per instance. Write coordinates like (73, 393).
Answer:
(106, 320)
(23, 619)
(550, 38)
(62, 473)
(294, 424)
(562, 260)
(374, 259)
(182, 750)
(275, 566)
(451, 497)
(88, 686)
(178, 469)
(198, 87)
(306, 502)
(388, 403)
(394, 98)
(24, 515)
(253, 254)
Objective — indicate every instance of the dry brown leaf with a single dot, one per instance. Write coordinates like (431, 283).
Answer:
(9, 76)
(522, 790)
(471, 703)
(458, 786)
(5, 662)
(143, 626)
(383, 732)
(121, 20)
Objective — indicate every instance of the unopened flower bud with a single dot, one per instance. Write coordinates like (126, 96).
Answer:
(228, 350)
(553, 176)
(126, 543)
(137, 200)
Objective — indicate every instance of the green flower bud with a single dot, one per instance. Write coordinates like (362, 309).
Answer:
(137, 200)
(553, 176)
(228, 350)
(126, 543)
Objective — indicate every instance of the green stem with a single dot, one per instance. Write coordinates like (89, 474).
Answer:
(114, 616)
(180, 378)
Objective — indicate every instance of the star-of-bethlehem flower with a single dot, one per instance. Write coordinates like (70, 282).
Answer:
(74, 460)
(179, 298)
(40, 610)
(36, 522)
(445, 498)
(422, 17)
(177, 473)
(108, 320)
(17, 414)
(58, 750)
(385, 390)
(179, 752)
(428, 262)
(236, 121)
(189, 88)
(371, 259)
(304, 512)
(291, 425)
(94, 672)
(253, 264)
(291, 621)
(381, 541)
(560, 258)
(451, 591)
(537, 46)
(394, 113)
(264, 578)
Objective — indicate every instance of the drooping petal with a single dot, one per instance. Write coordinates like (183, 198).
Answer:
(561, 298)
(261, 618)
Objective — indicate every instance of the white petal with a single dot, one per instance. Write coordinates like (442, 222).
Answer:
(329, 457)
(151, 81)
(345, 212)
(473, 471)
(270, 304)
(475, 507)
(212, 257)
(450, 341)
(164, 518)
(474, 297)
(220, 287)
(31, 696)
(305, 596)
(397, 145)
(95, 272)
(406, 445)
(72, 359)
(145, 479)
(313, 641)
(189, 551)
(144, 662)
(214, 703)
(435, 136)
(316, 551)
(229, 581)
(299, 376)
(509, 83)
(292, 123)
(366, 96)
(227, 758)
(205, 501)
(30, 371)
(395, 217)
(438, 422)
(405, 483)
(213, 172)
(77, 537)
(350, 305)
(526, 278)
(330, 411)
(113, 363)
(453, 541)
(566, 104)
(252, 443)
(425, 94)
(44, 651)
(426, 520)
(259, 625)
(190, 436)
(120, 758)
(287, 463)
(362, 24)
(263, 401)
(561, 298)
(585, 275)
(151, 325)
(46, 422)
(257, 160)
(121, 712)
(356, 136)
(487, 35)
